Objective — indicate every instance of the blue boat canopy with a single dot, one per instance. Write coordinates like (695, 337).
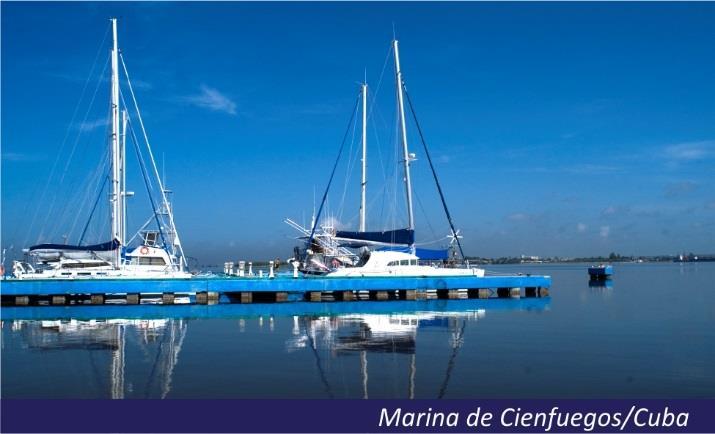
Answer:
(398, 236)
(425, 254)
(103, 247)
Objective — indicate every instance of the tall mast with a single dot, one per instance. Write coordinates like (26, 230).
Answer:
(363, 185)
(116, 163)
(405, 151)
(123, 169)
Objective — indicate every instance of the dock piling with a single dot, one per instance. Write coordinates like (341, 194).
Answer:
(271, 273)
(97, 299)
(246, 297)
(315, 296)
(241, 268)
(515, 292)
(132, 298)
(382, 295)
(281, 297)
(59, 299)
(168, 298)
(22, 300)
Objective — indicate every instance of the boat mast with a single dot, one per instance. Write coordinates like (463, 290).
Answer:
(363, 185)
(123, 169)
(405, 151)
(116, 163)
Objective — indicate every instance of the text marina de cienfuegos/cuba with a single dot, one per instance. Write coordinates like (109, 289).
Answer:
(633, 418)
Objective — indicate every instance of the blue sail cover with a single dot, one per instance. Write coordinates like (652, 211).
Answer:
(103, 247)
(424, 254)
(399, 236)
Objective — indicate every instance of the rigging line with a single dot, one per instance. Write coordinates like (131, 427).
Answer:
(321, 372)
(434, 173)
(176, 242)
(94, 207)
(91, 185)
(64, 140)
(332, 174)
(424, 213)
(71, 154)
(452, 358)
(145, 175)
(379, 83)
(352, 159)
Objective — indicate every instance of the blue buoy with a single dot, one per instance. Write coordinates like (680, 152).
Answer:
(600, 272)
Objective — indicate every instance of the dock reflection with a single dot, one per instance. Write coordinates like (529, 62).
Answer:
(135, 349)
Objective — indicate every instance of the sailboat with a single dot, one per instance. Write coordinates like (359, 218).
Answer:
(385, 253)
(159, 254)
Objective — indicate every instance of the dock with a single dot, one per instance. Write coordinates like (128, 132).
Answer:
(217, 289)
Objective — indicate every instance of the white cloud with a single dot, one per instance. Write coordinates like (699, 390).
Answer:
(93, 125)
(605, 231)
(518, 217)
(19, 157)
(682, 188)
(581, 227)
(212, 99)
(690, 151)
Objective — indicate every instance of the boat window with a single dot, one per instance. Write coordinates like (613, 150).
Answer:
(413, 261)
(393, 263)
(405, 262)
(84, 264)
(151, 260)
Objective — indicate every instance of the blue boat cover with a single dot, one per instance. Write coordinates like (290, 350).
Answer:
(398, 236)
(103, 247)
(425, 254)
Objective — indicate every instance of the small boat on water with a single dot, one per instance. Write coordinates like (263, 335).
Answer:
(600, 272)
(158, 253)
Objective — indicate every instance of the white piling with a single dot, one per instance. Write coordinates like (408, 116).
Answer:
(230, 268)
(241, 268)
(225, 268)
(295, 269)
(271, 274)
(260, 273)
(250, 268)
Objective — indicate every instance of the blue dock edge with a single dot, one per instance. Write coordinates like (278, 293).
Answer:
(281, 283)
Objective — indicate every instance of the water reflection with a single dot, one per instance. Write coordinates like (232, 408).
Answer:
(134, 351)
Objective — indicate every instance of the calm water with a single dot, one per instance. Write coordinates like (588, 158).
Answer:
(651, 334)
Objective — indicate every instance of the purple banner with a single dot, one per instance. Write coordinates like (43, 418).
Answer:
(351, 416)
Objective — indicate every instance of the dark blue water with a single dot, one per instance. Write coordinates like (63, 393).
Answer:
(649, 334)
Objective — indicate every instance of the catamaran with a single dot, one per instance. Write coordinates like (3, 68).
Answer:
(382, 253)
(158, 255)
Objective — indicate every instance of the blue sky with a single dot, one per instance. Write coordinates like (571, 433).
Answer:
(557, 129)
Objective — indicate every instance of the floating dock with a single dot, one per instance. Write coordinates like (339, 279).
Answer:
(281, 288)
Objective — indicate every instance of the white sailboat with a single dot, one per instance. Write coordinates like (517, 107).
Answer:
(386, 253)
(159, 254)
